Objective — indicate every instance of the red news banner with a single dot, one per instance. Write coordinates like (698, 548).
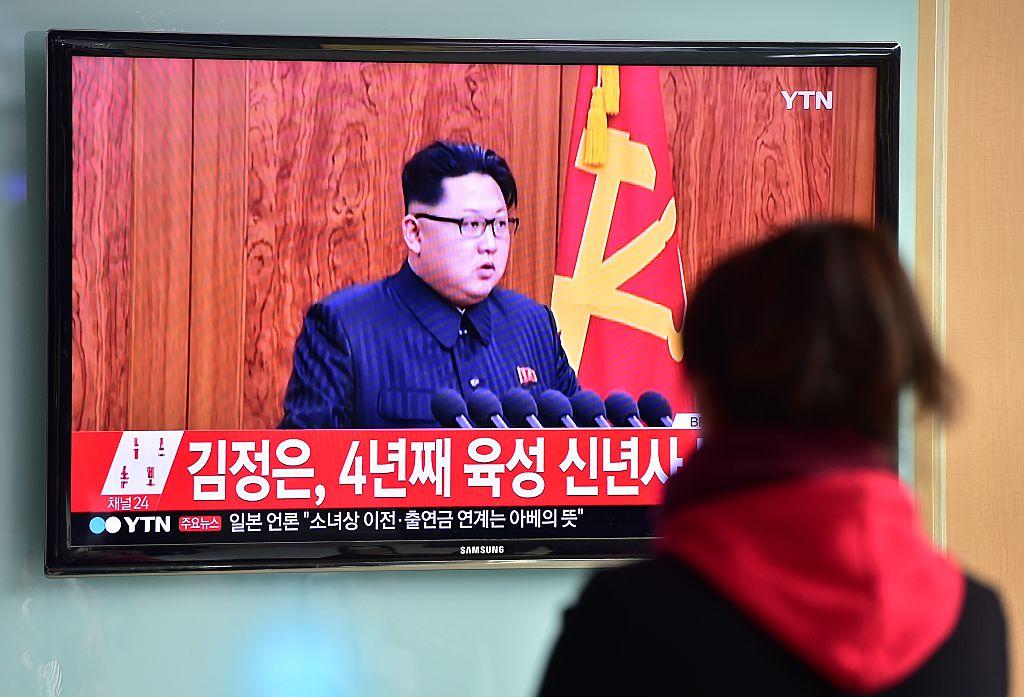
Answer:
(262, 470)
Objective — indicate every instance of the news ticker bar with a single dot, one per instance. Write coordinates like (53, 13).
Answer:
(137, 528)
(148, 472)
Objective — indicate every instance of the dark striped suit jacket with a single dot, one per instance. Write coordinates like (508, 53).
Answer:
(372, 356)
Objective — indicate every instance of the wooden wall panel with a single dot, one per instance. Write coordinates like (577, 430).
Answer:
(532, 122)
(396, 95)
(307, 197)
(570, 81)
(982, 202)
(161, 218)
(326, 143)
(853, 144)
(218, 227)
(101, 221)
(743, 163)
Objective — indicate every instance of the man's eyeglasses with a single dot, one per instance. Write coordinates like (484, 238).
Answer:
(474, 228)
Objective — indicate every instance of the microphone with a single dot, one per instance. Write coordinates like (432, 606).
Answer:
(521, 408)
(485, 409)
(554, 410)
(449, 408)
(589, 410)
(622, 410)
(655, 409)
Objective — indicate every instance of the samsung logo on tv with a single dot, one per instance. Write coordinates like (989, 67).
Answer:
(482, 549)
(822, 100)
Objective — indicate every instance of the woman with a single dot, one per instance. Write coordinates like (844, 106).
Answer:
(790, 560)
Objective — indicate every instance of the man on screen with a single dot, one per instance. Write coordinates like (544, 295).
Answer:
(372, 356)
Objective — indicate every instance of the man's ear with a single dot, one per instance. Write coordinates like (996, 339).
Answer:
(411, 233)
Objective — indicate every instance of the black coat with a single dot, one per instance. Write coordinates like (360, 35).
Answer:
(372, 356)
(656, 628)
(790, 564)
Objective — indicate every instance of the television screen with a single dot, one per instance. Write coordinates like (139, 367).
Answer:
(321, 303)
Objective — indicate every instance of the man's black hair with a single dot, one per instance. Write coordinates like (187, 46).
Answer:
(424, 172)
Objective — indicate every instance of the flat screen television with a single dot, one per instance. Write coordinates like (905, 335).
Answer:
(362, 303)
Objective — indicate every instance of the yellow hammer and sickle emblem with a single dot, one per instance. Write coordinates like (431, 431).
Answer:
(594, 288)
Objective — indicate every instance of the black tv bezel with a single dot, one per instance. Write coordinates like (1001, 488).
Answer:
(63, 45)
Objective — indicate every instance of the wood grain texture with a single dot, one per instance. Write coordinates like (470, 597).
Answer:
(853, 144)
(307, 202)
(983, 294)
(567, 100)
(101, 222)
(532, 117)
(929, 430)
(161, 241)
(742, 163)
(218, 226)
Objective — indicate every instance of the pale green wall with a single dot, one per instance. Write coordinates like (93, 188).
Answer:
(479, 633)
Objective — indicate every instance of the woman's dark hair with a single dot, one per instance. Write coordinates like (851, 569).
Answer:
(424, 172)
(816, 328)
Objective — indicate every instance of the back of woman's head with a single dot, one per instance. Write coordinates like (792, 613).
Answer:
(817, 328)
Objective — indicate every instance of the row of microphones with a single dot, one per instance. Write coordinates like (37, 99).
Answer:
(551, 409)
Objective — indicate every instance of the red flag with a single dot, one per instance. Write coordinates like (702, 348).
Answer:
(618, 294)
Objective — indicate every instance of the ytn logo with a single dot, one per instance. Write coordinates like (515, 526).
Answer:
(822, 100)
(143, 523)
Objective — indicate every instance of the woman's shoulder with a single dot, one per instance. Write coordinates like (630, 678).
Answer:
(664, 585)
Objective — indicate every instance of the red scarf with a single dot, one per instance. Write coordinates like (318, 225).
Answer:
(817, 541)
